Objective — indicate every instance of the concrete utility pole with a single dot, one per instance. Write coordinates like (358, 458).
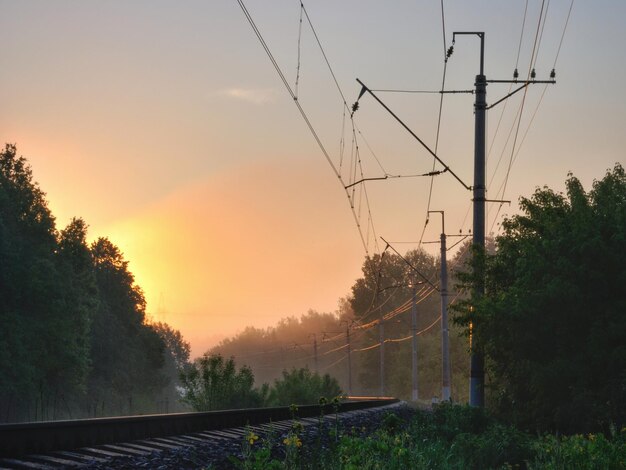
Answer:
(477, 374)
(349, 359)
(381, 338)
(317, 370)
(414, 395)
(445, 344)
(477, 362)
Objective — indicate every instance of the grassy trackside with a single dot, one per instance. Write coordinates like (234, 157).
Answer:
(449, 437)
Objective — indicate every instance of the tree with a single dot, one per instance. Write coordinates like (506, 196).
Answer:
(127, 354)
(290, 343)
(43, 319)
(176, 360)
(72, 320)
(303, 387)
(177, 347)
(213, 383)
(386, 290)
(552, 323)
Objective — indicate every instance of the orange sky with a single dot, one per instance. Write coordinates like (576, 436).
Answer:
(241, 247)
(166, 128)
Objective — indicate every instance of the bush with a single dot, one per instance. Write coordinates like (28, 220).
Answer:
(580, 452)
(303, 387)
(212, 383)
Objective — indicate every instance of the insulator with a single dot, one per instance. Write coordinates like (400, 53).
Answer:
(515, 74)
(552, 74)
(533, 74)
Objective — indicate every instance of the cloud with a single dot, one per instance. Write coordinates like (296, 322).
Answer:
(254, 96)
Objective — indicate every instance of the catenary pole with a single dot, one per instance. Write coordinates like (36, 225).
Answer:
(445, 341)
(414, 395)
(445, 337)
(477, 361)
(381, 334)
(349, 359)
(477, 373)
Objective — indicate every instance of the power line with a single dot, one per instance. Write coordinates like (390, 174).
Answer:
(342, 358)
(543, 26)
(530, 70)
(398, 340)
(563, 35)
(302, 112)
(324, 55)
(334, 350)
(502, 188)
(519, 48)
(287, 86)
(299, 50)
(443, 86)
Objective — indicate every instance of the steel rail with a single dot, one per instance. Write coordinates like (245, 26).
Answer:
(21, 439)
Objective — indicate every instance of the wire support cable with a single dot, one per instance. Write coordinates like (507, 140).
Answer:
(408, 129)
(398, 340)
(427, 92)
(368, 348)
(342, 358)
(408, 263)
(335, 350)
(305, 117)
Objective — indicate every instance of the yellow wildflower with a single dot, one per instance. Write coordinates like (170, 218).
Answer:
(292, 440)
(252, 438)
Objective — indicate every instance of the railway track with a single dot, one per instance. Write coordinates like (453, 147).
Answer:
(88, 442)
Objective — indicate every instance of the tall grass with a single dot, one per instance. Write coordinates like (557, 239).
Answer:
(449, 437)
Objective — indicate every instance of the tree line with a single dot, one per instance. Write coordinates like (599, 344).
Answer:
(75, 340)
(74, 337)
(552, 324)
(318, 341)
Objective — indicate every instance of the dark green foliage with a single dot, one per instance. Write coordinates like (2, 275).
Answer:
(179, 350)
(385, 290)
(128, 354)
(303, 387)
(425, 441)
(552, 323)
(45, 297)
(213, 383)
(449, 437)
(176, 358)
(73, 336)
